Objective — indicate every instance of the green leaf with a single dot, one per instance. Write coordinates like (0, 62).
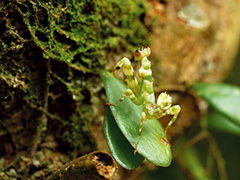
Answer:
(127, 116)
(224, 98)
(219, 122)
(120, 148)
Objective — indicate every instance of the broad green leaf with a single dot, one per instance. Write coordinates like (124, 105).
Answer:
(127, 116)
(224, 98)
(219, 122)
(120, 148)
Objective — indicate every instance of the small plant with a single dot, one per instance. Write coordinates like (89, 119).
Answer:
(140, 93)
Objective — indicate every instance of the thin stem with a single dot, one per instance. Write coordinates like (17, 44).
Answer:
(218, 157)
(215, 151)
(200, 136)
(213, 148)
(209, 162)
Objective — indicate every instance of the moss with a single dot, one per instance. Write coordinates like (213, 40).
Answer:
(77, 132)
(79, 32)
(50, 52)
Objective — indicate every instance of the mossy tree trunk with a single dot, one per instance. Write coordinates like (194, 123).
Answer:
(51, 93)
